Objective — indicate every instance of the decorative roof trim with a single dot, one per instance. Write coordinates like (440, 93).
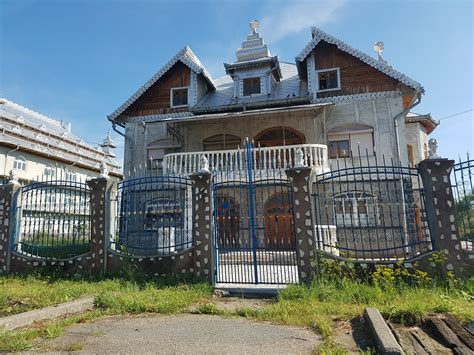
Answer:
(187, 57)
(320, 35)
(359, 97)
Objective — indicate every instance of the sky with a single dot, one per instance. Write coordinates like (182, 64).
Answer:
(78, 60)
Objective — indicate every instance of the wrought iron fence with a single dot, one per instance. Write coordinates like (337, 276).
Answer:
(371, 212)
(463, 190)
(54, 219)
(154, 215)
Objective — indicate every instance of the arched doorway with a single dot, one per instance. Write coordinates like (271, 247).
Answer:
(279, 136)
(228, 222)
(279, 229)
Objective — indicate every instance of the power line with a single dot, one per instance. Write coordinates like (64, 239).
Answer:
(456, 114)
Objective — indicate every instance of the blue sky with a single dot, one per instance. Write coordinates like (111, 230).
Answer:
(79, 60)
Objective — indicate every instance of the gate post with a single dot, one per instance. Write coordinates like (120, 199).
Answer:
(100, 212)
(202, 213)
(8, 222)
(441, 211)
(299, 179)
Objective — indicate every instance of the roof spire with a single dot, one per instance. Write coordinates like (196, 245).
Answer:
(254, 24)
(108, 144)
(253, 47)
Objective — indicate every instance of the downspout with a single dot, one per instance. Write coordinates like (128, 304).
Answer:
(395, 119)
(6, 158)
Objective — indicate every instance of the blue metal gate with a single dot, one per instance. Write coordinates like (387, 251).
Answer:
(253, 220)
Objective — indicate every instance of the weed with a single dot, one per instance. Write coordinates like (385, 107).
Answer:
(207, 308)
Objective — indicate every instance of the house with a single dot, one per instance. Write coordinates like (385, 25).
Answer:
(333, 94)
(39, 148)
(333, 105)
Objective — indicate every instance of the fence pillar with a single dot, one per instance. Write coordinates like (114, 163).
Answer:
(202, 219)
(441, 211)
(299, 180)
(8, 206)
(100, 212)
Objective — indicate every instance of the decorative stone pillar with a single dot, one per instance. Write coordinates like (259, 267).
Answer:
(100, 209)
(299, 178)
(441, 211)
(8, 222)
(202, 220)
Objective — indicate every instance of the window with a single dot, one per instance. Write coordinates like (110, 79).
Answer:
(49, 171)
(19, 164)
(356, 209)
(179, 97)
(251, 86)
(70, 176)
(411, 155)
(328, 79)
(339, 149)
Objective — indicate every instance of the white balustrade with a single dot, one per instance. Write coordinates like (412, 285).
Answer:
(233, 163)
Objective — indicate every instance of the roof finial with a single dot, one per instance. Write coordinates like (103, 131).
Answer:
(254, 24)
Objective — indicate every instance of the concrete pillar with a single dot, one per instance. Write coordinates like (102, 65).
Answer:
(305, 247)
(202, 221)
(8, 222)
(441, 211)
(100, 213)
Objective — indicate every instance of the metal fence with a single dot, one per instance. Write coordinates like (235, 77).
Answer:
(370, 212)
(54, 219)
(463, 189)
(154, 215)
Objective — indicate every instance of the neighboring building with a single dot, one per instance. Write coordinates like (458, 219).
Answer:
(333, 95)
(37, 147)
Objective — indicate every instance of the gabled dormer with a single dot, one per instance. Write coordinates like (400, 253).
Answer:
(173, 90)
(256, 71)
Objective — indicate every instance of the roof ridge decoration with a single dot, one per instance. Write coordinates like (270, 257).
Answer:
(187, 57)
(28, 111)
(320, 35)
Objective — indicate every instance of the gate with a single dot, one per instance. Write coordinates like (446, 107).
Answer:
(253, 221)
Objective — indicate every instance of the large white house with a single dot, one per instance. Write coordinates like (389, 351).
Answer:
(37, 147)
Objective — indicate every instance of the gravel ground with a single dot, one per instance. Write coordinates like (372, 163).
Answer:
(183, 334)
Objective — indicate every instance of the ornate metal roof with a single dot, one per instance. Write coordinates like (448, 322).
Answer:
(187, 57)
(320, 35)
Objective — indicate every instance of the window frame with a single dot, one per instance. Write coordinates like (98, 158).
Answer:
(23, 162)
(338, 70)
(349, 215)
(259, 86)
(171, 96)
(52, 168)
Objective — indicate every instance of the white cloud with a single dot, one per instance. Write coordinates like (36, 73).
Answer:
(284, 19)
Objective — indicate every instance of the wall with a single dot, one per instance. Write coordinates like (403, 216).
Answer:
(416, 136)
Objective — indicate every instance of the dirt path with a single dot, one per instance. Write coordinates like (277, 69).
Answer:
(183, 334)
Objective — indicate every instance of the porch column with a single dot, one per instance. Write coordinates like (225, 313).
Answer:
(299, 180)
(202, 220)
(100, 213)
(441, 212)
(8, 222)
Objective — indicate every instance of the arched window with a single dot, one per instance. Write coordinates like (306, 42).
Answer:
(279, 136)
(221, 142)
(356, 209)
(19, 164)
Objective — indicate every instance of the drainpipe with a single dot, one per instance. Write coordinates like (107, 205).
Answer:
(395, 119)
(6, 158)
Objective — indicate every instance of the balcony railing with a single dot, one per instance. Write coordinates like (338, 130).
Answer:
(233, 162)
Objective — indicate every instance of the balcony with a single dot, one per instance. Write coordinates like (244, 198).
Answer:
(236, 163)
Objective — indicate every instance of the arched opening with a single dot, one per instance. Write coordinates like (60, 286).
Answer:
(228, 222)
(221, 142)
(279, 229)
(279, 136)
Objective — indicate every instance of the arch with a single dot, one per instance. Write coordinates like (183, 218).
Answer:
(221, 142)
(279, 136)
(228, 221)
(279, 224)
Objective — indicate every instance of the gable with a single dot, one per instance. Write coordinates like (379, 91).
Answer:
(357, 77)
(156, 99)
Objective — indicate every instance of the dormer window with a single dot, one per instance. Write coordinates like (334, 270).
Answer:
(179, 97)
(251, 86)
(329, 79)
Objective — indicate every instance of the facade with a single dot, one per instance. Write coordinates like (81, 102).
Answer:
(39, 148)
(332, 95)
